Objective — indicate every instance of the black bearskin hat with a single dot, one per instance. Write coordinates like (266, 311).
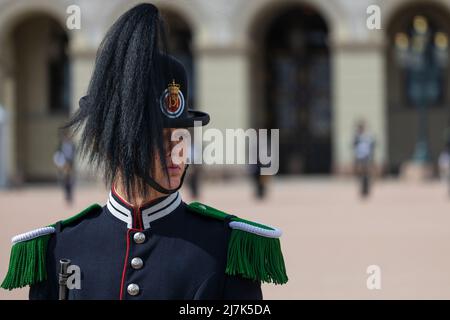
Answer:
(136, 90)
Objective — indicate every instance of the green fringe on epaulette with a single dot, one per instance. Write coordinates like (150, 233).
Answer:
(250, 255)
(27, 264)
(255, 257)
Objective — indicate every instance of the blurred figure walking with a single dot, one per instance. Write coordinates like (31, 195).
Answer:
(64, 160)
(193, 181)
(444, 159)
(363, 150)
(195, 170)
(259, 181)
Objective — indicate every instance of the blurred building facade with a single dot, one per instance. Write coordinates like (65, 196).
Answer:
(309, 67)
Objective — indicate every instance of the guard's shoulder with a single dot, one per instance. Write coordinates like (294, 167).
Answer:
(83, 215)
(27, 264)
(254, 249)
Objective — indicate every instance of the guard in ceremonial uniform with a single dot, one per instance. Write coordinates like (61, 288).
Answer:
(145, 242)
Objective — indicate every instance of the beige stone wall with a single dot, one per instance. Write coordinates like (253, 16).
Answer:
(222, 86)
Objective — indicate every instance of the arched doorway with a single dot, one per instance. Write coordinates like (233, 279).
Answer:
(42, 93)
(417, 84)
(294, 88)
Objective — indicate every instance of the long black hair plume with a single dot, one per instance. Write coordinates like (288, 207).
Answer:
(122, 129)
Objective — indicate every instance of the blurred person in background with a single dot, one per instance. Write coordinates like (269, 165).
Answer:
(444, 159)
(195, 171)
(193, 181)
(63, 159)
(259, 180)
(363, 151)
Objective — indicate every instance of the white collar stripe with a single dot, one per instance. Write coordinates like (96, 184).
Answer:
(122, 213)
(118, 214)
(168, 205)
(161, 204)
(118, 205)
(155, 216)
(150, 214)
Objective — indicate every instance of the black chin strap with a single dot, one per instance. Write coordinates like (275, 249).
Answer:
(155, 185)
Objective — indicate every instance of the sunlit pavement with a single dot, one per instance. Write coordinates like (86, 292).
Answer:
(330, 235)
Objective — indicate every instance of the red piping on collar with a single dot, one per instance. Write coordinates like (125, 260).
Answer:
(136, 210)
(113, 189)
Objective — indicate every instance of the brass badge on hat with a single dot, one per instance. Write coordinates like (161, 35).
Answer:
(172, 100)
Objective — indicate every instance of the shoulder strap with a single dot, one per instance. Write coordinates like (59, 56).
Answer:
(27, 264)
(254, 250)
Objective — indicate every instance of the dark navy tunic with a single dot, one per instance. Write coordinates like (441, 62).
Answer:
(161, 250)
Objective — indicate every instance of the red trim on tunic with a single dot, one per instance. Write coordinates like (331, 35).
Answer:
(125, 264)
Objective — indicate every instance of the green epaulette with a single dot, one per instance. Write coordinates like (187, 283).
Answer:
(254, 249)
(27, 264)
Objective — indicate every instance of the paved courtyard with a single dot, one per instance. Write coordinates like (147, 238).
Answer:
(330, 235)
